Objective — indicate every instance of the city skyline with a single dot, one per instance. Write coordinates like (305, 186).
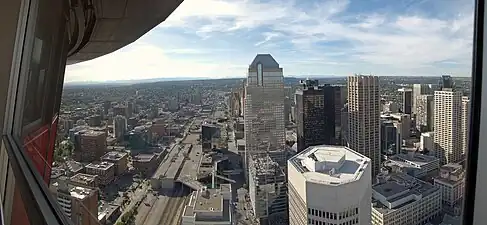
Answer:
(214, 39)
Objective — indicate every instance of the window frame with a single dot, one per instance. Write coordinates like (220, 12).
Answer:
(475, 199)
(19, 171)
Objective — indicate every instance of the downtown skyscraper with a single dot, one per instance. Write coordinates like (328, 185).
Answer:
(364, 118)
(316, 114)
(264, 107)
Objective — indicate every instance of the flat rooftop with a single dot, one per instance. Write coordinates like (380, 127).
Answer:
(114, 155)
(209, 200)
(415, 158)
(331, 165)
(143, 157)
(398, 186)
(91, 133)
(83, 178)
(100, 165)
(80, 192)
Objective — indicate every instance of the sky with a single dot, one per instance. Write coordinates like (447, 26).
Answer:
(220, 38)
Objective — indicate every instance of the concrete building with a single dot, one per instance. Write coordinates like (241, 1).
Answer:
(425, 116)
(210, 206)
(405, 123)
(448, 126)
(390, 107)
(119, 110)
(104, 170)
(80, 204)
(119, 127)
(119, 159)
(451, 182)
(364, 118)
(145, 163)
(209, 133)
(427, 142)
(413, 164)
(399, 199)
(420, 89)
(406, 102)
(264, 107)
(84, 180)
(315, 119)
(329, 185)
(267, 189)
(89, 145)
(465, 123)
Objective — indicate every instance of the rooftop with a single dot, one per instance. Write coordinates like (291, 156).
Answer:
(100, 165)
(451, 174)
(80, 192)
(143, 157)
(83, 178)
(332, 165)
(209, 200)
(416, 158)
(114, 155)
(266, 60)
(398, 190)
(91, 133)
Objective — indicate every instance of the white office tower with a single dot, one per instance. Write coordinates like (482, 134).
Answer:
(264, 107)
(400, 199)
(448, 126)
(119, 127)
(329, 185)
(465, 123)
(364, 118)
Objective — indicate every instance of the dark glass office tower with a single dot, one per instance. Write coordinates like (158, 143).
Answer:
(315, 114)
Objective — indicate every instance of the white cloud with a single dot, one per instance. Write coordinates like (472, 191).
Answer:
(378, 42)
(143, 61)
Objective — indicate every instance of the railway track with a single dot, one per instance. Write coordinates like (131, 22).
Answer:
(173, 205)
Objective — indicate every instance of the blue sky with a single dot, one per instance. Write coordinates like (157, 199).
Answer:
(219, 38)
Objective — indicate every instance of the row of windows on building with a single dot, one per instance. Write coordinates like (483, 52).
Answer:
(333, 216)
(317, 222)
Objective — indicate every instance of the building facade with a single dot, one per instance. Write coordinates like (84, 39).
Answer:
(264, 107)
(406, 100)
(364, 117)
(425, 107)
(448, 126)
(315, 119)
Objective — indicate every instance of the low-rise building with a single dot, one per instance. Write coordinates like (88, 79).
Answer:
(84, 180)
(401, 199)
(209, 206)
(451, 182)
(145, 163)
(104, 170)
(413, 164)
(80, 204)
(119, 159)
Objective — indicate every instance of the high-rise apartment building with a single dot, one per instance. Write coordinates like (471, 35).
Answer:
(420, 89)
(406, 100)
(448, 126)
(364, 118)
(465, 123)
(315, 117)
(329, 185)
(119, 127)
(264, 107)
(425, 107)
